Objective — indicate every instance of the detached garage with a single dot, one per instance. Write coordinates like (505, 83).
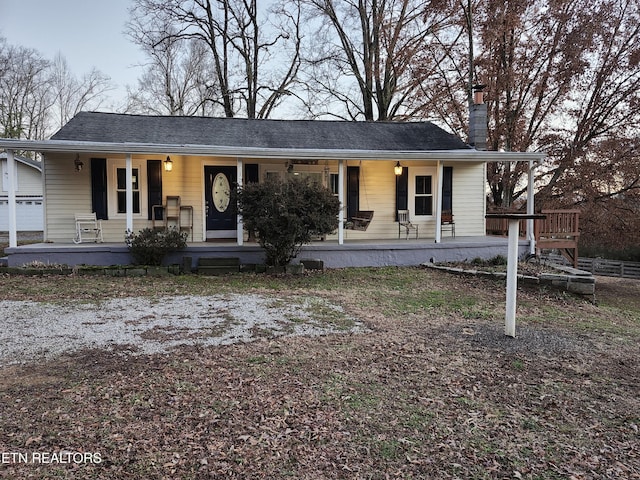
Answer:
(29, 205)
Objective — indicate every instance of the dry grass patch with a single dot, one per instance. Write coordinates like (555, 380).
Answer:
(434, 390)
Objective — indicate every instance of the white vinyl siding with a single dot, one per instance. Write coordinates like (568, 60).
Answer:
(69, 192)
(469, 199)
(28, 180)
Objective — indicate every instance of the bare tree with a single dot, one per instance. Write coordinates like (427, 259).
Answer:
(176, 80)
(253, 61)
(71, 95)
(363, 58)
(24, 97)
(446, 70)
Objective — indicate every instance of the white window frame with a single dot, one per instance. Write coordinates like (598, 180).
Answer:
(422, 172)
(112, 182)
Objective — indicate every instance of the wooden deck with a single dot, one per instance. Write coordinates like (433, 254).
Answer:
(559, 231)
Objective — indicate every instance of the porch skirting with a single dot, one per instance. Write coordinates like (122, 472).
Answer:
(351, 254)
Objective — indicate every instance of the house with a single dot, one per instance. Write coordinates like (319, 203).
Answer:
(27, 177)
(131, 170)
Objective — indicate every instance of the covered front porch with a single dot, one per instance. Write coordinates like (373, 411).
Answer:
(354, 253)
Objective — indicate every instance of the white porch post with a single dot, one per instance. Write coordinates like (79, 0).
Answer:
(440, 170)
(129, 192)
(11, 172)
(531, 208)
(240, 227)
(341, 199)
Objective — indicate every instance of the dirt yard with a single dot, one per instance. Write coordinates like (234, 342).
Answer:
(426, 386)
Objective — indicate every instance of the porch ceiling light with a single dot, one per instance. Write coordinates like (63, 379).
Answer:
(78, 164)
(397, 169)
(168, 164)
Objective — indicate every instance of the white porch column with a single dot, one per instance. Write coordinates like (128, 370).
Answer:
(440, 169)
(240, 180)
(531, 208)
(11, 172)
(129, 192)
(341, 199)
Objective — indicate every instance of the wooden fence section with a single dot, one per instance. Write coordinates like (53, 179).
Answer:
(610, 268)
(604, 267)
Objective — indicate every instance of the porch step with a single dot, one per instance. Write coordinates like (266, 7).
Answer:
(218, 266)
(4, 261)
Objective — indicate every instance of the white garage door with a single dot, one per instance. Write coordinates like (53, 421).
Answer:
(29, 215)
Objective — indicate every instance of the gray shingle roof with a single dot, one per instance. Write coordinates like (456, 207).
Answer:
(277, 134)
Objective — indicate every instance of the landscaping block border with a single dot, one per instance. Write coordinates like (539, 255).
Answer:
(571, 280)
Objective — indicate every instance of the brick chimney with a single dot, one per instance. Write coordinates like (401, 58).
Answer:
(478, 119)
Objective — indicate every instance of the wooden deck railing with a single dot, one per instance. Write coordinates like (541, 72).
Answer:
(500, 227)
(558, 231)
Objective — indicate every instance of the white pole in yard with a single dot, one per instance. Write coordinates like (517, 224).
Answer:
(512, 265)
(512, 278)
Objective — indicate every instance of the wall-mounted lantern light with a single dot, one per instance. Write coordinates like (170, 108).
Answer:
(78, 164)
(397, 169)
(168, 164)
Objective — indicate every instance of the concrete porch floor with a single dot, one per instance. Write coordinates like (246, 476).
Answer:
(353, 253)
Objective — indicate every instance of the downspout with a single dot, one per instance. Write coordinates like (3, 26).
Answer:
(11, 172)
(240, 224)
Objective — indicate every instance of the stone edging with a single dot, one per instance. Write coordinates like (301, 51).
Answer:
(571, 280)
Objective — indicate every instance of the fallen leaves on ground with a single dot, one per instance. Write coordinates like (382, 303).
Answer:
(433, 390)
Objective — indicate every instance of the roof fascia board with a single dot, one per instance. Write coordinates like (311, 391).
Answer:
(265, 153)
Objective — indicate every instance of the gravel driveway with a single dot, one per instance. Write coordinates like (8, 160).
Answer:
(32, 331)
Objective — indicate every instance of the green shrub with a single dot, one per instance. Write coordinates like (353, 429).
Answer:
(497, 260)
(149, 246)
(287, 214)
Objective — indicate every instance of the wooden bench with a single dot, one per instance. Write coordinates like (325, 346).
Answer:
(559, 231)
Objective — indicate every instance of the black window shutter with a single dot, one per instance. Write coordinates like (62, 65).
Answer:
(353, 191)
(99, 187)
(154, 187)
(251, 174)
(402, 191)
(447, 188)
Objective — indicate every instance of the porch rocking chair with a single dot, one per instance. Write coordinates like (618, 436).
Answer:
(88, 228)
(405, 222)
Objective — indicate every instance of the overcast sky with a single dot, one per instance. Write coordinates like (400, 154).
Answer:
(88, 33)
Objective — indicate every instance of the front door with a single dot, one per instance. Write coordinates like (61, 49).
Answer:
(219, 182)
